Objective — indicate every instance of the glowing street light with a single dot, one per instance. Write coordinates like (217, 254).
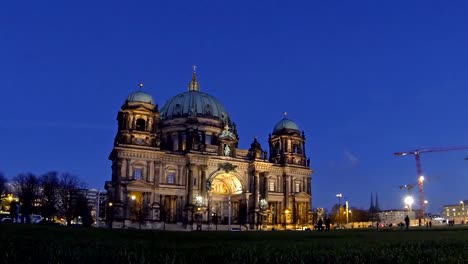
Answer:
(409, 201)
(133, 197)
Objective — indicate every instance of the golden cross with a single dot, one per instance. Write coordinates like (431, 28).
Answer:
(194, 68)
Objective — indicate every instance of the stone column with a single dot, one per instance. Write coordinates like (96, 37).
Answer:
(123, 169)
(190, 184)
(161, 173)
(203, 190)
(129, 169)
(149, 171)
(287, 180)
(266, 184)
(257, 189)
(156, 176)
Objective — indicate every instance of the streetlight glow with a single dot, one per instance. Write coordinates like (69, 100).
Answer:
(133, 197)
(409, 200)
(421, 178)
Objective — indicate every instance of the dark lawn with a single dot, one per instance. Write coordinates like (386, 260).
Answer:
(46, 244)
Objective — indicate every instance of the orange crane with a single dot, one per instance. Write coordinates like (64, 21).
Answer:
(417, 153)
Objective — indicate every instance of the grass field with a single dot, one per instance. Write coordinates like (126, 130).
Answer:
(45, 244)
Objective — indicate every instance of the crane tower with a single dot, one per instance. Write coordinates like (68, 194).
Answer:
(417, 155)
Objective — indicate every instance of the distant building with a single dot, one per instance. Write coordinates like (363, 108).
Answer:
(395, 216)
(456, 212)
(93, 197)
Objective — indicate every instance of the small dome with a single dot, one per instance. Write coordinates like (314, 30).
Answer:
(285, 123)
(140, 97)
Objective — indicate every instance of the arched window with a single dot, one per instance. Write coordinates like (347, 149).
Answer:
(297, 186)
(140, 124)
(271, 185)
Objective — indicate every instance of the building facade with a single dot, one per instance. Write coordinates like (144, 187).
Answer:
(395, 216)
(181, 163)
(456, 212)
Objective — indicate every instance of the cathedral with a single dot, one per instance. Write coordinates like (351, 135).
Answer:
(181, 164)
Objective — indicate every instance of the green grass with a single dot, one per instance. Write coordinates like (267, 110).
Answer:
(44, 244)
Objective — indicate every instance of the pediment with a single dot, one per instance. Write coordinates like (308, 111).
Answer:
(138, 184)
(302, 195)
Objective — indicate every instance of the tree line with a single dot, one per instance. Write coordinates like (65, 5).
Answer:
(52, 195)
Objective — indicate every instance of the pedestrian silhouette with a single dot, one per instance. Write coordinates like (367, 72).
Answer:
(320, 224)
(327, 224)
(407, 222)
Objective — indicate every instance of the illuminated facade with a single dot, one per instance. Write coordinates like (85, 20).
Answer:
(456, 212)
(395, 216)
(181, 163)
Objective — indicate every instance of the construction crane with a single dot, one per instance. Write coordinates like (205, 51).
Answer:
(417, 153)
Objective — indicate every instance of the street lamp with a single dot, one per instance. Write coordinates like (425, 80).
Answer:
(409, 201)
(339, 195)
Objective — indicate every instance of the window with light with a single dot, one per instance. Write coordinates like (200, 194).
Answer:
(170, 178)
(297, 187)
(271, 186)
(137, 174)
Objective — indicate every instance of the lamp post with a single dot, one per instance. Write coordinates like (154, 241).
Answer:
(339, 196)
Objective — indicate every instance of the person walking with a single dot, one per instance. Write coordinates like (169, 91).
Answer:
(327, 224)
(320, 225)
(407, 221)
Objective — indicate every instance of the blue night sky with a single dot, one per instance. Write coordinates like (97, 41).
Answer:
(363, 79)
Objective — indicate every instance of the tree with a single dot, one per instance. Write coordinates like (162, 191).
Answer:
(68, 194)
(337, 214)
(26, 187)
(83, 210)
(50, 185)
(3, 187)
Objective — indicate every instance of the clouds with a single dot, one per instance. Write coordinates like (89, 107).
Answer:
(350, 158)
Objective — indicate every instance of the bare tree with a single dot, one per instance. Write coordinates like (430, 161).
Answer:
(3, 187)
(69, 194)
(26, 187)
(50, 186)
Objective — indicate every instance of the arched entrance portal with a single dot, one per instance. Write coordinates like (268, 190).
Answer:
(227, 202)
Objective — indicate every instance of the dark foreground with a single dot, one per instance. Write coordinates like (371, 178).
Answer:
(43, 244)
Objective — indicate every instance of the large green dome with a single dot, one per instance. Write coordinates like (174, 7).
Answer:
(140, 97)
(285, 123)
(193, 104)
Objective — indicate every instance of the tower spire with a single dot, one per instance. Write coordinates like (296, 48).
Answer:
(194, 85)
(371, 209)
(377, 202)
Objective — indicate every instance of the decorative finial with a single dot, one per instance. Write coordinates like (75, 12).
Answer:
(141, 85)
(193, 85)
(285, 114)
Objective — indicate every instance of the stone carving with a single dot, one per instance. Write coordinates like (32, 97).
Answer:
(227, 150)
(227, 167)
